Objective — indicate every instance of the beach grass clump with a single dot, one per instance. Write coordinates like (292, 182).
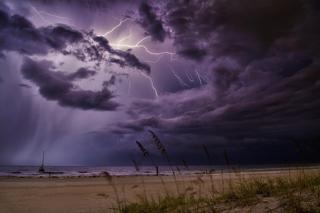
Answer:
(302, 202)
(251, 190)
(180, 203)
(300, 193)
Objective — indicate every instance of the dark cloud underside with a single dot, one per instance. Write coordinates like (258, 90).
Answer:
(20, 35)
(56, 86)
(263, 62)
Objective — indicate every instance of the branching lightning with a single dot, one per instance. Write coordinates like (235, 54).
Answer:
(180, 80)
(119, 44)
(115, 27)
(152, 84)
(37, 12)
(125, 42)
(124, 38)
(40, 14)
(55, 16)
(189, 77)
(199, 77)
(139, 45)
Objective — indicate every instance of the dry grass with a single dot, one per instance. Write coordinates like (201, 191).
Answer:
(293, 193)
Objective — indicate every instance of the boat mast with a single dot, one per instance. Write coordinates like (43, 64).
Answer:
(42, 159)
(41, 168)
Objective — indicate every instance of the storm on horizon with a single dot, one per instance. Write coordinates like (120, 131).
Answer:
(82, 80)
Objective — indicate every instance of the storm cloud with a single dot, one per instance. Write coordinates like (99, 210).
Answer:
(20, 35)
(151, 23)
(82, 73)
(56, 86)
(262, 77)
(242, 76)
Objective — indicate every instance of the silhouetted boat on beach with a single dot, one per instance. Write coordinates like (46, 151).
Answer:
(43, 171)
(41, 168)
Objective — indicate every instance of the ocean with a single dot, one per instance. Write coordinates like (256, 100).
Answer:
(89, 171)
(79, 171)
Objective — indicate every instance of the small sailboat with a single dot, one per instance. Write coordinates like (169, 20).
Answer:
(41, 168)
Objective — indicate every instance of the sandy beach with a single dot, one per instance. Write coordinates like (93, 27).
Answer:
(99, 194)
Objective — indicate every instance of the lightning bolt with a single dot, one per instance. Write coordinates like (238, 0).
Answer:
(139, 45)
(39, 14)
(149, 78)
(53, 15)
(152, 85)
(154, 61)
(199, 77)
(136, 45)
(124, 38)
(115, 27)
(206, 78)
(189, 77)
(182, 83)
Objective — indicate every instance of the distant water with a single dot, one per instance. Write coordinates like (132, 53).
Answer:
(79, 171)
(75, 171)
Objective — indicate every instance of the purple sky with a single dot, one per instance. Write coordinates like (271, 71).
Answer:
(83, 80)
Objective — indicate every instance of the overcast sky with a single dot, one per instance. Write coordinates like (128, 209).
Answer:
(83, 80)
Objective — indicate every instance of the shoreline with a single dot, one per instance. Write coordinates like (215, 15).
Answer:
(81, 174)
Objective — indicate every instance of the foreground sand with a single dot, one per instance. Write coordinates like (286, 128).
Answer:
(96, 194)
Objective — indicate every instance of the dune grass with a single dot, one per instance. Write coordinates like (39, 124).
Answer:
(292, 193)
(298, 192)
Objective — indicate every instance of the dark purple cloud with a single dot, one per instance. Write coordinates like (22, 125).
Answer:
(88, 4)
(260, 61)
(110, 82)
(262, 82)
(19, 34)
(150, 22)
(59, 36)
(126, 58)
(82, 73)
(226, 28)
(54, 85)
(25, 85)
